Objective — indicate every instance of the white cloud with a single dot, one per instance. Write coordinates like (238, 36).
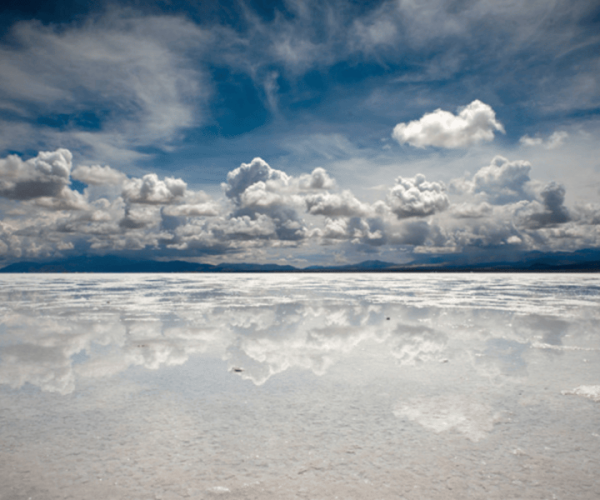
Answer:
(149, 189)
(473, 124)
(266, 210)
(502, 181)
(139, 217)
(377, 32)
(355, 229)
(206, 209)
(554, 141)
(245, 228)
(531, 141)
(589, 213)
(471, 211)
(318, 179)
(259, 196)
(247, 174)
(336, 205)
(416, 197)
(66, 199)
(45, 175)
(44, 180)
(135, 69)
(256, 188)
(96, 175)
(514, 240)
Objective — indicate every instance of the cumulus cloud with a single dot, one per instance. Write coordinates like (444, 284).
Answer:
(589, 213)
(473, 124)
(44, 180)
(267, 210)
(501, 182)
(66, 199)
(45, 175)
(246, 228)
(259, 196)
(138, 217)
(149, 189)
(336, 205)
(260, 201)
(318, 179)
(356, 230)
(247, 174)
(416, 197)
(415, 233)
(505, 206)
(550, 212)
(256, 188)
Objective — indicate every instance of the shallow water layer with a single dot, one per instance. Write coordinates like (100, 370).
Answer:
(300, 386)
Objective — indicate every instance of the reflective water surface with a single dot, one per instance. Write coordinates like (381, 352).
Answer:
(374, 386)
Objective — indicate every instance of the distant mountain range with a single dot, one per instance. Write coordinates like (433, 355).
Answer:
(581, 261)
(114, 264)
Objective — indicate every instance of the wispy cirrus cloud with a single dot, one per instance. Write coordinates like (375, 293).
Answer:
(115, 82)
(552, 142)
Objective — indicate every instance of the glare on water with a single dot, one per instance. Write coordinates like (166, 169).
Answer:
(274, 386)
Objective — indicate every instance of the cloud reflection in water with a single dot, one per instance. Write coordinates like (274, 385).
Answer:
(270, 385)
(109, 325)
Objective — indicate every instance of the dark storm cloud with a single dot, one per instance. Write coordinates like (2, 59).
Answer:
(552, 211)
(45, 175)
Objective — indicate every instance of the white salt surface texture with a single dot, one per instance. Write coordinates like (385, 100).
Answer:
(281, 386)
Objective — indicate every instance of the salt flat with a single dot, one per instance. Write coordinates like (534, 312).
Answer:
(300, 386)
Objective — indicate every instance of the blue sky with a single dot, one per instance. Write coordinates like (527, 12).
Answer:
(298, 132)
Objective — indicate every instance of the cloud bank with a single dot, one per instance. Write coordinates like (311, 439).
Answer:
(266, 214)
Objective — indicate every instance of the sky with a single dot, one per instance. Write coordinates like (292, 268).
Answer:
(298, 132)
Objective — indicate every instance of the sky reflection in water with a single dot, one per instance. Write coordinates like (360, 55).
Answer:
(291, 386)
